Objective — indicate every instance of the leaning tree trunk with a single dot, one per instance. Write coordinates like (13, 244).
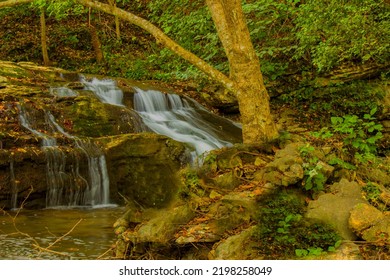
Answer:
(11, 3)
(252, 96)
(45, 54)
(162, 39)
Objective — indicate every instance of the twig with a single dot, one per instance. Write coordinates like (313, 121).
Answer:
(63, 236)
(105, 253)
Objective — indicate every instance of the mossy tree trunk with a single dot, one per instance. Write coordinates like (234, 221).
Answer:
(244, 66)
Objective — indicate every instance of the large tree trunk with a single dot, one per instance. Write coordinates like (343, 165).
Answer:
(45, 54)
(252, 96)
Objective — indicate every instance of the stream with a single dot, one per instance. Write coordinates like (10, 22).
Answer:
(91, 238)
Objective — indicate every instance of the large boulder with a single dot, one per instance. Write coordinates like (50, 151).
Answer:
(143, 167)
(334, 208)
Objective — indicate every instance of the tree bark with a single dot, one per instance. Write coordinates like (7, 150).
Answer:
(252, 96)
(97, 46)
(11, 3)
(45, 54)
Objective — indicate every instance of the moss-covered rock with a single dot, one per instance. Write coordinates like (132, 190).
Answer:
(241, 246)
(334, 208)
(143, 167)
(286, 169)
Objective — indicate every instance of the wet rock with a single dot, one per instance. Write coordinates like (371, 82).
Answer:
(334, 208)
(228, 213)
(346, 251)
(161, 228)
(376, 175)
(226, 180)
(380, 232)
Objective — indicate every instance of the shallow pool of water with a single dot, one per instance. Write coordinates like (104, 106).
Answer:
(90, 233)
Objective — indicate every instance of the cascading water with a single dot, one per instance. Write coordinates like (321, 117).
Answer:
(175, 117)
(181, 119)
(106, 90)
(65, 185)
(98, 188)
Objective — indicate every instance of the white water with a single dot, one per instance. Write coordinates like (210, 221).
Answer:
(98, 188)
(172, 116)
(62, 92)
(106, 90)
(65, 185)
(166, 114)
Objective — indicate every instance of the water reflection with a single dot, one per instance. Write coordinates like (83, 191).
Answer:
(91, 238)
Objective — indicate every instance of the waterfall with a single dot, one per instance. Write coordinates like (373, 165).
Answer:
(106, 90)
(98, 189)
(65, 185)
(173, 116)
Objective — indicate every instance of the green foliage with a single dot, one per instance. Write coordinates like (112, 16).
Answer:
(60, 9)
(341, 163)
(372, 193)
(284, 233)
(189, 23)
(191, 184)
(321, 103)
(359, 135)
(314, 180)
(331, 32)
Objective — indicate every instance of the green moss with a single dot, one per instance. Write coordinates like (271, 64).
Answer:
(90, 117)
(9, 69)
(283, 233)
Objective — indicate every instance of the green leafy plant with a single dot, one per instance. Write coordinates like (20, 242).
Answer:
(331, 32)
(283, 231)
(372, 193)
(314, 179)
(341, 163)
(359, 135)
